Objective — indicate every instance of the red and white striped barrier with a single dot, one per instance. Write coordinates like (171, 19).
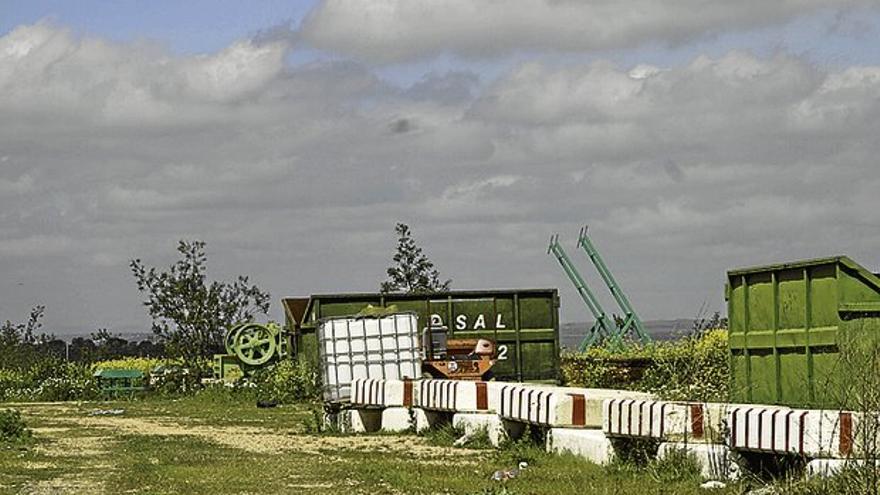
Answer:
(662, 420)
(543, 406)
(812, 433)
(369, 392)
(453, 395)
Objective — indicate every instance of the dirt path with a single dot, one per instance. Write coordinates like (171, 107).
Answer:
(85, 441)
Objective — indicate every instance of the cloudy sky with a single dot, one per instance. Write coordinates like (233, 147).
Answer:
(693, 136)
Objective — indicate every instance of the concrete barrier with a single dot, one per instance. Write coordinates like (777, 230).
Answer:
(553, 406)
(716, 461)
(452, 395)
(370, 392)
(812, 433)
(397, 419)
(592, 445)
(825, 468)
(496, 428)
(664, 420)
(424, 419)
(356, 420)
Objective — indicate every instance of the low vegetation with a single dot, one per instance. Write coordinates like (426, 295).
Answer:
(694, 367)
(12, 427)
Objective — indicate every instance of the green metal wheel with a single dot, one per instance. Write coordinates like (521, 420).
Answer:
(229, 341)
(254, 344)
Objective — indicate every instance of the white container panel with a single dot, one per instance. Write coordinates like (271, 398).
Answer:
(360, 348)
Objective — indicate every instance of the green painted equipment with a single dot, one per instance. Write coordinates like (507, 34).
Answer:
(631, 321)
(524, 323)
(119, 382)
(248, 347)
(255, 344)
(792, 328)
(604, 329)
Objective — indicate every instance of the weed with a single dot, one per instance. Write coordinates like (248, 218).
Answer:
(12, 427)
(676, 465)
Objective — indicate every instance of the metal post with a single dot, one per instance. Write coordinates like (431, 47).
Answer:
(602, 327)
(631, 318)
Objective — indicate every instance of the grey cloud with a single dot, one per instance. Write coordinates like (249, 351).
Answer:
(388, 31)
(449, 88)
(402, 126)
(112, 151)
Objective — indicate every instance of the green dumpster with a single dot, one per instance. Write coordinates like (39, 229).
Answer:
(792, 328)
(523, 322)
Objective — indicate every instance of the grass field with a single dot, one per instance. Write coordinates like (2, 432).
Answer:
(219, 445)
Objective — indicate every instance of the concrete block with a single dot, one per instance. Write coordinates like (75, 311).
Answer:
(664, 420)
(396, 419)
(359, 420)
(453, 395)
(824, 468)
(542, 406)
(716, 460)
(371, 392)
(592, 445)
(494, 426)
(553, 406)
(809, 432)
(426, 419)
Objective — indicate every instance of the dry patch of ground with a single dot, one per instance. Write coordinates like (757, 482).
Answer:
(71, 436)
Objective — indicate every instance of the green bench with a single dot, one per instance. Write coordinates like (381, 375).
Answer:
(120, 382)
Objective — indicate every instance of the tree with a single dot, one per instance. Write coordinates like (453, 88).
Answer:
(412, 272)
(190, 316)
(19, 341)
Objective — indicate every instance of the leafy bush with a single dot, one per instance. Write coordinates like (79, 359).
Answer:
(288, 381)
(69, 381)
(692, 368)
(48, 380)
(174, 379)
(12, 428)
(601, 367)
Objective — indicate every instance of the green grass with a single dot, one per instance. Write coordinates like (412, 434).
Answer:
(219, 445)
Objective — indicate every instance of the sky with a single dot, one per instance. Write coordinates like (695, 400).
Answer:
(692, 136)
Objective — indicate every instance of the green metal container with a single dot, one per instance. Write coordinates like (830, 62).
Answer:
(523, 323)
(791, 326)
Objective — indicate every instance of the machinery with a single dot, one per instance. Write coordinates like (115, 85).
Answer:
(611, 331)
(250, 346)
(457, 359)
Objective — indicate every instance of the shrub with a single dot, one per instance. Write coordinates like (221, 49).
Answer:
(12, 427)
(692, 368)
(174, 379)
(288, 381)
(69, 381)
(48, 380)
(601, 367)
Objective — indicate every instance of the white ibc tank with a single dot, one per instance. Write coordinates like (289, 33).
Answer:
(384, 347)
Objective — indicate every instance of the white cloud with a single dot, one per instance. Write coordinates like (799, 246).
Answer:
(296, 175)
(388, 31)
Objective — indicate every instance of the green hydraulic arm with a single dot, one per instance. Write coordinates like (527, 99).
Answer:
(602, 327)
(631, 321)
